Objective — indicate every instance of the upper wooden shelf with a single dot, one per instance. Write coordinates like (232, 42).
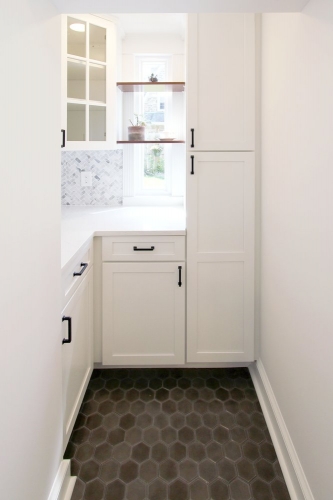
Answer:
(151, 142)
(151, 86)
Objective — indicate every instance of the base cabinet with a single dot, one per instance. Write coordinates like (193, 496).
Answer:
(143, 313)
(77, 359)
(220, 257)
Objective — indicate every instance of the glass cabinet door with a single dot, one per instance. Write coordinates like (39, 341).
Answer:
(87, 78)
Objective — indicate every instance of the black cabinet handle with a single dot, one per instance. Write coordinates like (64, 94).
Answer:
(84, 267)
(192, 132)
(69, 338)
(63, 138)
(136, 249)
(180, 275)
(192, 164)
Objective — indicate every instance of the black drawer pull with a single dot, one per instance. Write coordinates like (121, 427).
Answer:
(180, 275)
(63, 138)
(192, 133)
(84, 267)
(69, 338)
(136, 249)
(192, 164)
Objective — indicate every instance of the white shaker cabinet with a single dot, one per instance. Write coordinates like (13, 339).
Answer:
(220, 257)
(144, 301)
(220, 82)
(77, 355)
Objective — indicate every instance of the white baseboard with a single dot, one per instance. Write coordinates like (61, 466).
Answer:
(294, 476)
(64, 483)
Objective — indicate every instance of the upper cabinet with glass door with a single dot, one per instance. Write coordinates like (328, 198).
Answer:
(88, 82)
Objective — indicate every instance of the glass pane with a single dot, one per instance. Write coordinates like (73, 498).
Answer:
(154, 174)
(97, 43)
(76, 122)
(76, 37)
(97, 82)
(97, 123)
(153, 112)
(76, 79)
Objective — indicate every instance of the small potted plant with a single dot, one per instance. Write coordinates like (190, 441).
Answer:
(136, 132)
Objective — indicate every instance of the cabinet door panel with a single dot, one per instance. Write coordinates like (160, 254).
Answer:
(220, 258)
(143, 314)
(77, 356)
(220, 85)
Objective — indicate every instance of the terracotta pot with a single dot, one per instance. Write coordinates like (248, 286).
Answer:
(136, 133)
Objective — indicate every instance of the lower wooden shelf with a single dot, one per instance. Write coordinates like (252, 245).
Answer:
(150, 142)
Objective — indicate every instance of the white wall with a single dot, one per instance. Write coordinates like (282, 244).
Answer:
(30, 321)
(297, 231)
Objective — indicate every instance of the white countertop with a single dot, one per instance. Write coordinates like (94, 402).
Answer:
(81, 224)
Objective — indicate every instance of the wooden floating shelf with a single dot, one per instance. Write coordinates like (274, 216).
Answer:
(150, 142)
(151, 86)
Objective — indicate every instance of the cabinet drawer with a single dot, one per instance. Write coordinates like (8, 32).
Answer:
(143, 248)
(70, 282)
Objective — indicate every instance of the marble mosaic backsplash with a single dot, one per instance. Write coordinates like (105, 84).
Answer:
(107, 178)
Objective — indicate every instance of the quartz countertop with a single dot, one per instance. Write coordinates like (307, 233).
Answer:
(81, 224)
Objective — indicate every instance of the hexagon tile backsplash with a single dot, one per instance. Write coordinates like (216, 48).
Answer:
(173, 434)
(107, 178)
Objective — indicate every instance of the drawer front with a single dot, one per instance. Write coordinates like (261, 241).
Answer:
(143, 248)
(70, 282)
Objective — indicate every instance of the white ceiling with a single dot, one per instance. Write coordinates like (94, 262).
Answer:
(162, 24)
(171, 6)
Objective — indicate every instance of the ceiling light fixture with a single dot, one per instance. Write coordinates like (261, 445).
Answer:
(78, 27)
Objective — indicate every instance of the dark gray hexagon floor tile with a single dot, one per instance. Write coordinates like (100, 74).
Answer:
(151, 435)
(185, 406)
(219, 490)
(98, 436)
(191, 394)
(238, 434)
(110, 421)
(80, 436)
(155, 383)
(198, 383)
(168, 435)
(227, 469)
(188, 470)
(148, 471)
(115, 490)
(127, 421)
(144, 420)
(176, 394)
(112, 384)
(237, 394)
(96, 383)
(177, 451)
(161, 420)
(222, 394)
(75, 467)
(78, 490)
(261, 490)
(206, 394)
(243, 420)
(126, 383)
(186, 435)
(255, 434)
(232, 450)
(204, 435)
(137, 407)
(147, 395)
(280, 490)
(106, 407)
(221, 435)
(177, 420)
(258, 420)
(70, 450)
(199, 490)
(154, 407)
(88, 395)
(231, 406)
(215, 406)
(184, 383)
(89, 470)
(250, 451)
(159, 452)
(193, 420)
(116, 436)
(265, 470)
(210, 420)
(200, 406)
(94, 421)
(170, 383)
(162, 394)
(121, 452)
(80, 421)
(179, 490)
(122, 407)
(197, 452)
(158, 490)
(101, 395)
(215, 451)
(246, 469)
(278, 470)
(132, 395)
(140, 452)
(239, 490)
(128, 471)
(141, 383)
(227, 420)
(168, 470)
(247, 407)
(133, 435)
(103, 452)
(136, 490)
(94, 490)
(109, 471)
(267, 451)
(208, 470)
(117, 395)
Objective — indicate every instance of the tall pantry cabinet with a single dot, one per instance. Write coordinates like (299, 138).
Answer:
(220, 187)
